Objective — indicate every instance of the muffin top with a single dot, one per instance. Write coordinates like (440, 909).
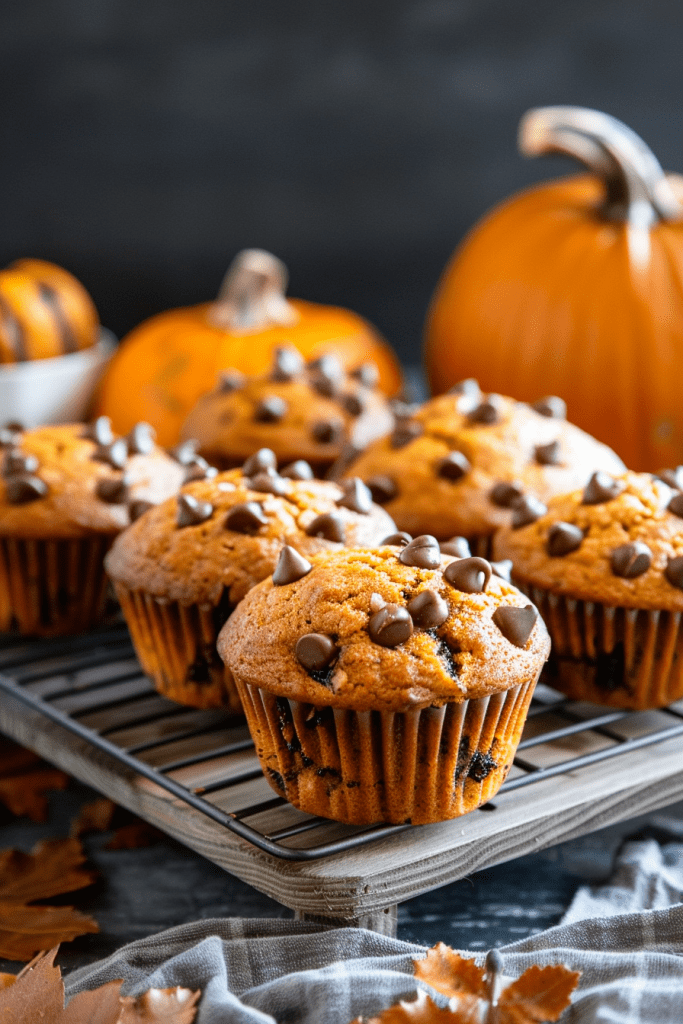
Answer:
(228, 531)
(467, 463)
(312, 411)
(388, 629)
(619, 541)
(73, 480)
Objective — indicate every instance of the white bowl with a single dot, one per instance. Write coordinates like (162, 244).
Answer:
(54, 390)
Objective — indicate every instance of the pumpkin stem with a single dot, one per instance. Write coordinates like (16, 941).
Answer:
(251, 297)
(637, 191)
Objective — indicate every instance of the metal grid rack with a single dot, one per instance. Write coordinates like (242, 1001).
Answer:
(93, 687)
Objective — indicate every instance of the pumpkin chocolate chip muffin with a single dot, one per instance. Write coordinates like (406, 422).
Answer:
(466, 463)
(313, 411)
(65, 492)
(605, 567)
(182, 568)
(388, 684)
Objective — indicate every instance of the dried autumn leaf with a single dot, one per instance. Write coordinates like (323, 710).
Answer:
(52, 868)
(448, 972)
(95, 816)
(540, 994)
(423, 1010)
(134, 836)
(170, 1005)
(25, 780)
(102, 814)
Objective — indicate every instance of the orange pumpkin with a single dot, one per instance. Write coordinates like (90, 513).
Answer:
(167, 363)
(44, 312)
(575, 288)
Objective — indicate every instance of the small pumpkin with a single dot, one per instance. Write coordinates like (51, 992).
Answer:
(167, 363)
(44, 312)
(575, 287)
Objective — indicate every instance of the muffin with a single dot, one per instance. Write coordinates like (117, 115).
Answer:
(605, 567)
(182, 568)
(313, 411)
(466, 463)
(65, 492)
(388, 684)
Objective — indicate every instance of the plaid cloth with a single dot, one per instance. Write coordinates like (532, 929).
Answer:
(626, 938)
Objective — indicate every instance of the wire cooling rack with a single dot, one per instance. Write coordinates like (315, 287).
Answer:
(93, 687)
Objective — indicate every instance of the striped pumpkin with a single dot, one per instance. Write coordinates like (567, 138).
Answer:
(44, 312)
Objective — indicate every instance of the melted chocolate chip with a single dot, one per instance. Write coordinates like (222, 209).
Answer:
(229, 381)
(503, 569)
(327, 431)
(186, 452)
(199, 469)
(138, 508)
(270, 409)
(469, 575)
(100, 431)
(503, 494)
(457, 546)
(247, 517)
(672, 477)
(601, 487)
(397, 540)
(191, 511)
(16, 461)
(676, 505)
(316, 651)
(428, 609)
(516, 624)
(291, 567)
(112, 490)
(114, 454)
(563, 538)
(355, 496)
(287, 363)
(264, 458)
(548, 454)
(353, 404)
(525, 510)
(488, 412)
(404, 432)
(268, 482)
(366, 374)
(423, 552)
(390, 626)
(141, 439)
(551, 406)
(631, 560)
(674, 572)
(329, 526)
(23, 488)
(299, 470)
(469, 387)
(382, 489)
(454, 466)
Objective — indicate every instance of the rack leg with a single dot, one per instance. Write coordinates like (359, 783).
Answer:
(382, 921)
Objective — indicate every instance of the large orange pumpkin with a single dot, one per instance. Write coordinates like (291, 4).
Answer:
(44, 312)
(169, 361)
(575, 287)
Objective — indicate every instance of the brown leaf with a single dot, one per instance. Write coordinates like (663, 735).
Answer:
(423, 1010)
(450, 973)
(95, 816)
(25, 780)
(134, 836)
(102, 815)
(540, 994)
(52, 868)
(167, 1005)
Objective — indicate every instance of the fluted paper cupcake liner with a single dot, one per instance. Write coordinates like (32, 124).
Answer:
(176, 646)
(362, 767)
(52, 587)
(622, 657)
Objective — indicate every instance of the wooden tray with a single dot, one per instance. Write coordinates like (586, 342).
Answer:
(85, 705)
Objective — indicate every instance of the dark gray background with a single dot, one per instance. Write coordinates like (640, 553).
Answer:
(145, 141)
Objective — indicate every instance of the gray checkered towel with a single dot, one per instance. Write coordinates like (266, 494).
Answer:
(626, 938)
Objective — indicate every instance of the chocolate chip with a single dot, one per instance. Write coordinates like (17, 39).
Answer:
(676, 505)
(287, 363)
(247, 517)
(99, 431)
(199, 469)
(503, 569)
(423, 552)
(112, 490)
(326, 375)
(397, 540)
(390, 626)
(327, 431)
(488, 412)
(551, 406)
(454, 466)
(672, 477)
(138, 508)
(229, 381)
(268, 482)
(23, 488)
(316, 651)
(291, 567)
(16, 461)
(299, 470)
(548, 454)
(270, 409)
(9, 436)
(382, 489)
(470, 575)
(428, 609)
(404, 432)
(325, 386)
(563, 538)
(328, 364)
(185, 452)
(367, 374)
(264, 458)
(503, 494)
(674, 572)
(114, 454)
(469, 387)
(457, 546)
(516, 624)
(525, 510)
(355, 496)
(403, 410)
(353, 404)
(191, 511)
(601, 487)
(141, 439)
(631, 560)
(329, 526)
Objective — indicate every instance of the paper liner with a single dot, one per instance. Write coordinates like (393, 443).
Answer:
(362, 767)
(176, 646)
(481, 545)
(623, 657)
(52, 587)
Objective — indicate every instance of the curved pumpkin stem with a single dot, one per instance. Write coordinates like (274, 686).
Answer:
(252, 295)
(637, 191)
